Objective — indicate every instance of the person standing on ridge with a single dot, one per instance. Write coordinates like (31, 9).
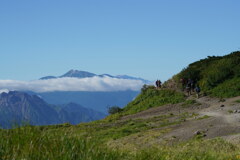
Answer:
(157, 84)
(197, 90)
(182, 81)
(192, 86)
(188, 87)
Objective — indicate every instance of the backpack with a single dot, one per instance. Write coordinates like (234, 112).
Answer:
(197, 89)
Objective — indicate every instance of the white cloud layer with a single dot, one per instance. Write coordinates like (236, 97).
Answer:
(72, 84)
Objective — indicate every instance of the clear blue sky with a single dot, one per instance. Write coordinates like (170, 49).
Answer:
(144, 38)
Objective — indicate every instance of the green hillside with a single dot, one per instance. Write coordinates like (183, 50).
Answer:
(152, 127)
(150, 97)
(217, 76)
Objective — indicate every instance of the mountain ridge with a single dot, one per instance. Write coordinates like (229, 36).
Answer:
(84, 74)
(19, 107)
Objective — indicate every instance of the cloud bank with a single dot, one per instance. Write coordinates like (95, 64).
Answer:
(73, 84)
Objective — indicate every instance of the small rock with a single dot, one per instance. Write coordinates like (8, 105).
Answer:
(235, 111)
(238, 111)
(222, 105)
(221, 100)
(197, 133)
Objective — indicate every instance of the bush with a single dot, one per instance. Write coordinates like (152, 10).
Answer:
(114, 109)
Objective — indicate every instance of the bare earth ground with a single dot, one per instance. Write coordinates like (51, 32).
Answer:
(210, 117)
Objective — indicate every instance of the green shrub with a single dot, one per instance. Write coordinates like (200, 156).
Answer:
(114, 110)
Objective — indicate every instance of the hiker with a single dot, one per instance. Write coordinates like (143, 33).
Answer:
(158, 84)
(182, 81)
(188, 88)
(197, 90)
(192, 85)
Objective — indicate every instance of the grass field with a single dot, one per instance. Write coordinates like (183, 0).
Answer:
(89, 142)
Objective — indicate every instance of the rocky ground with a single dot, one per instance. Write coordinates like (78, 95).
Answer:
(204, 118)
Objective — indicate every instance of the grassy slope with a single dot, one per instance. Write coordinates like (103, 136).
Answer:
(150, 97)
(89, 141)
(217, 76)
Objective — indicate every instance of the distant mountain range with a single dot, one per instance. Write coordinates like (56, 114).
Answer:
(66, 106)
(17, 107)
(84, 74)
(98, 101)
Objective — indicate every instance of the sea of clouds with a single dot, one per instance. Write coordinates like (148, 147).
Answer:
(72, 84)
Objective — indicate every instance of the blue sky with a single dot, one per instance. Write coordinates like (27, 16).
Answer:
(152, 39)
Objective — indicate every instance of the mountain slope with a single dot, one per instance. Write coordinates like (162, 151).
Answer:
(75, 113)
(217, 76)
(18, 107)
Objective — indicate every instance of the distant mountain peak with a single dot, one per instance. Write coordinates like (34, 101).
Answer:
(78, 74)
(48, 77)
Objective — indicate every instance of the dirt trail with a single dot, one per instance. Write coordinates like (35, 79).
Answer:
(215, 119)
(221, 110)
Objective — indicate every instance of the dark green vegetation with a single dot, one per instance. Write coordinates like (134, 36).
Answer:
(217, 76)
(114, 109)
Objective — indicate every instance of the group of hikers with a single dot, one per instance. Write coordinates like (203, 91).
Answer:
(188, 85)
